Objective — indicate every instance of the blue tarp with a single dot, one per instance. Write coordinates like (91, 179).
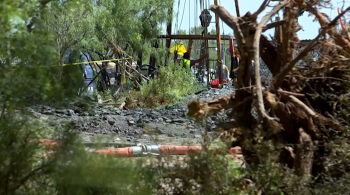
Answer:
(89, 73)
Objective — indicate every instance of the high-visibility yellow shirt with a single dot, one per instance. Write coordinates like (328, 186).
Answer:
(186, 64)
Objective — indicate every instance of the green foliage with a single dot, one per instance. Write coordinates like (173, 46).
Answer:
(170, 86)
(207, 172)
(81, 172)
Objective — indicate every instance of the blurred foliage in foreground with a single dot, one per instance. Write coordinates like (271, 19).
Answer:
(27, 78)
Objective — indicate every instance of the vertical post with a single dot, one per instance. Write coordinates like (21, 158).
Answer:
(128, 68)
(168, 30)
(201, 64)
(140, 59)
(217, 21)
(130, 65)
(237, 9)
(223, 53)
(207, 61)
(152, 60)
(189, 47)
(123, 72)
(278, 32)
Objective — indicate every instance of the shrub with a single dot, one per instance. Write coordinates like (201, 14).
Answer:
(171, 84)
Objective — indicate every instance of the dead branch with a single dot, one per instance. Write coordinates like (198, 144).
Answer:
(273, 25)
(261, 109)
(291, 93)
(200, 110)
(261, 9)
(278, 79)
(338, 38)
(301, 105)
(231, 21)
(314, 115)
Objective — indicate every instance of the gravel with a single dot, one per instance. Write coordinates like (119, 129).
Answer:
(169, 125)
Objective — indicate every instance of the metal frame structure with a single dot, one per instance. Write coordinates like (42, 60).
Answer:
(205, 37)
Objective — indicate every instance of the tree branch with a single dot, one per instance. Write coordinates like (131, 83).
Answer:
(278, 79)
(256, 47)
(273, 25)
(231, 21)
(261, 9)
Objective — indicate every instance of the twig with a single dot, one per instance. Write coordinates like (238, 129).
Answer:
(278, 79)
(105, 101)
(291, 93)
(261, 109)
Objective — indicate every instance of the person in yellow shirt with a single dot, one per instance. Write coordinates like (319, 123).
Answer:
(187, 63)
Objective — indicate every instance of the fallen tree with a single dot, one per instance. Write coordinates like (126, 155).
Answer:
(306, 106)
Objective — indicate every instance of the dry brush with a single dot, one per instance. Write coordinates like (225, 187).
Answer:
(305, 107)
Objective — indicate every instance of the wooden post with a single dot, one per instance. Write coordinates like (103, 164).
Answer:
(201, 64)
(123, 72)
(237, 9)
(278, 32)
(169, 29)
(217, 21)
(189, 47)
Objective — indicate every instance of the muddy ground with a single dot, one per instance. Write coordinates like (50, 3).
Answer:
(169, 125)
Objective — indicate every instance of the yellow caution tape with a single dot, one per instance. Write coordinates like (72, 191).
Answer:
(112, 60)
(80, 63)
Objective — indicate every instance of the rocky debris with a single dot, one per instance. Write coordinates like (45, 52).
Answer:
(169, 124)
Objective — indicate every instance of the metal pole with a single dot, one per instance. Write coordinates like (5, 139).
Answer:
(218, 45)
(223, 53)
(237, 9)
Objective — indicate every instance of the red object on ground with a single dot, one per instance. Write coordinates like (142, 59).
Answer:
(137, 150)
(215, 83)
(117, 151)
(179, 150)
(48, 144)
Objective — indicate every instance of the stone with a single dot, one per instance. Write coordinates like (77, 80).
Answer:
(179, 120)
(118, 112)
(131, 122)
(105, 111)
(70, 112)
(110, 121)
(47, 112)
(168, 121)
(77, 110)
(60, 111)
(155, 113)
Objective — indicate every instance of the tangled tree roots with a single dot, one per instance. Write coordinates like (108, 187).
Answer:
(305, 108)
